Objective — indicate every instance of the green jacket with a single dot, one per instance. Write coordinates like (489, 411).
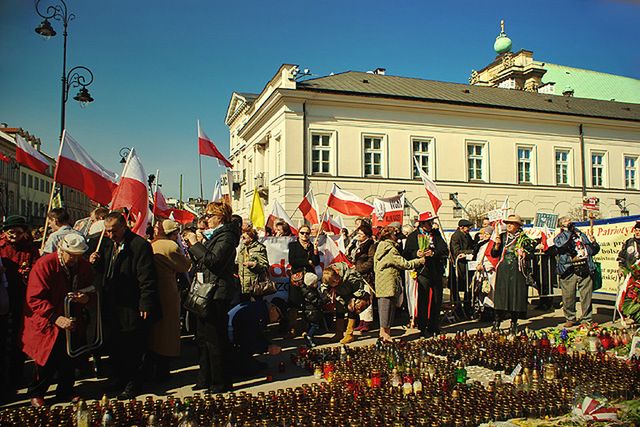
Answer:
(353, 285)
(387, 266)
(257, 252)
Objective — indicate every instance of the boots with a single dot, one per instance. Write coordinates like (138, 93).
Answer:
(514, 326)
(339, 330)
(348, 336)
(496, 325)
(366, 326)
(360, 326)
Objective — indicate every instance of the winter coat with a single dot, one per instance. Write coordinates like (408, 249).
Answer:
(352, 285)
(129, 282)
(313, 301)
(387, 266)
(461, 243)
(48, 285)
(362, 258)
(256, 252)
(565, 249)
(434, 265)
(301, 258)
(629, 253)
(510, 292)
(216, 260)
(17, 260)
(169, 260)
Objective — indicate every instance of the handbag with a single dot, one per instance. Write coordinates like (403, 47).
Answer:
(263, 286)
(200, 296)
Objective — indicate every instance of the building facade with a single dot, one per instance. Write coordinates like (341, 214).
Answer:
(480, 144)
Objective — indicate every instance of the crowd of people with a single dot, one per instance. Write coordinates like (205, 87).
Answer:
(141, 284)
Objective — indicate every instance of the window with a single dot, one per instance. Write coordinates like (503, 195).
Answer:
(278, 155)
(507, 84)
(524, 165)
(23, 179)
(42, 185)
(597, 169)
(562, 167)
(421, 154)
(30, 179)
(320, 153)
(475, 162)
(48, 187)
(630, 172)
(372, 156)
(23, 206)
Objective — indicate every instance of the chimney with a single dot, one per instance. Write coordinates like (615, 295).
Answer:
(379, 71)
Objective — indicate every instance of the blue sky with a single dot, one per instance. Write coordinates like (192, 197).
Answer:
(160, 65)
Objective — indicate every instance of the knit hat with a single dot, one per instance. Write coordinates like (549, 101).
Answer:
(310, 279)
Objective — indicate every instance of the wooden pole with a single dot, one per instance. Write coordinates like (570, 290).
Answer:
(100, 241)
(53, 189)
(315, 242)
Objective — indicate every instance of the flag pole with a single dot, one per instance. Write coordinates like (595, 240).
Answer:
(53, 189)
(200, 162)
(153, 197)
(321, 225)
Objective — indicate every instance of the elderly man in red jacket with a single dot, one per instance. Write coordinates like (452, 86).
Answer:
(53, 277)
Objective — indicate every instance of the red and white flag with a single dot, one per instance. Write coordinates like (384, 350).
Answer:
(333, 225)
(432, 190)
(348, 203)
(309, 208)
(27, 155)
(206, 147)
(132, 194)
(388, 210)
(278, 212)
(162, 210)
(332, 252)
(77, 169)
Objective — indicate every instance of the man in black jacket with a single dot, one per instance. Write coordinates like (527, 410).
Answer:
(124, 264)
(460, 246)
(430, 276)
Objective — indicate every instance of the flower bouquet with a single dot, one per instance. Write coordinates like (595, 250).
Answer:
(424, 242)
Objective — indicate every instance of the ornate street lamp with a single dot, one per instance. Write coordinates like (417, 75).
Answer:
(124, 154)
(76, 77)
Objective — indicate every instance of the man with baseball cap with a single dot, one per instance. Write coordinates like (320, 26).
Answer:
(54, 276)
(429, 276)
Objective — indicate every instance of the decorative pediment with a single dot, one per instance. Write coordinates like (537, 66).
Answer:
(239, 101)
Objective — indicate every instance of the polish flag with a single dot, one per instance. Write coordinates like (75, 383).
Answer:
(278, 212)
(348, 204)
(432, 189)
(162, 210)
(132, 194)
(309, 208)
(28, 156)
(206, 147)
(333, 225)
(77, 169)
(332, 252)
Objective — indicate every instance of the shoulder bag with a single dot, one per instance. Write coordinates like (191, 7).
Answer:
(263, 286)
(200, 293)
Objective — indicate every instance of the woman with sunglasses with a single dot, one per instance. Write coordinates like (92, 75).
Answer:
(303, 258)
(215, 260)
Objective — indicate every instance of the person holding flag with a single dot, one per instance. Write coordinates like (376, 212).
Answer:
(427, 242)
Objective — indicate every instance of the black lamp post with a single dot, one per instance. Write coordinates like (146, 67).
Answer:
(76, 77)
(124, 154)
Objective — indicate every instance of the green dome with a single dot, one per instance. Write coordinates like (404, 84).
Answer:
(502, 44)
